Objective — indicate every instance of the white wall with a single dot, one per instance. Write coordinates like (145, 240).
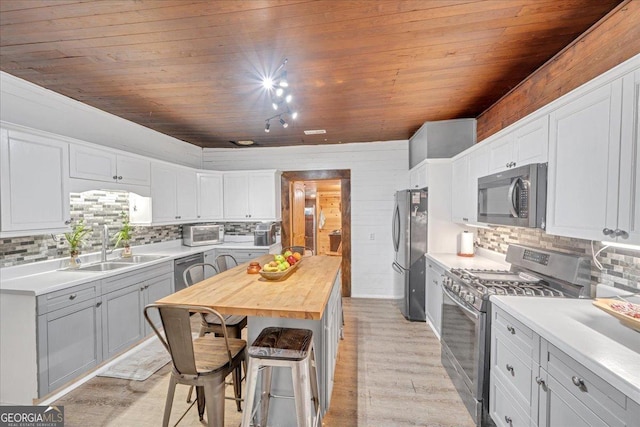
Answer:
(378, 169)
(29, 105)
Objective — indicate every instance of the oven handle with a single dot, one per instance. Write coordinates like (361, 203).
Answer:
(510, 194)
(454, 299)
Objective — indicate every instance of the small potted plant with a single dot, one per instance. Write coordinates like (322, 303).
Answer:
(124, 235)
(75, 239)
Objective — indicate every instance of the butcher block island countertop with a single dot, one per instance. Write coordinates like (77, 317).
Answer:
(302, 295)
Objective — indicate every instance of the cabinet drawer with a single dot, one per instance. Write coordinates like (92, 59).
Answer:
(66, 297)
(120, 281)
(594, 392)
(244, 255)
(502, 408)
(516, 334)
(513, 368)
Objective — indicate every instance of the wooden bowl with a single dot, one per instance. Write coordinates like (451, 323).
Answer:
(274, 276)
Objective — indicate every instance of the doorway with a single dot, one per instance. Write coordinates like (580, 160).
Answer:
(316, 213)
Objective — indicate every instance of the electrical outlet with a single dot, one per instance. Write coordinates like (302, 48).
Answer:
(372, 236)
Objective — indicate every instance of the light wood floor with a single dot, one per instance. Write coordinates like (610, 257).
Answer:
(388, 375)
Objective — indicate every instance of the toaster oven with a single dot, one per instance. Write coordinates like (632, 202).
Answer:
(201, 235)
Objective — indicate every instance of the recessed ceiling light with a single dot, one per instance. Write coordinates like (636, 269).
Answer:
(315, 132)
(245, 142)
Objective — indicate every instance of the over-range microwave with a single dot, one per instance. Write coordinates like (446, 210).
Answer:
(200, 235)
(516, 197)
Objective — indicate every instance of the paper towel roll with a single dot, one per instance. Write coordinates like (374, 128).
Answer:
(466, 244)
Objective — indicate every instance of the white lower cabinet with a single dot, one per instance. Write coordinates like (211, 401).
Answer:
(34, 195)
(80, 327)
(434, 295)
(534, 383)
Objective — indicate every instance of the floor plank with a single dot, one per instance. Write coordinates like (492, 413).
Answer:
(388, 374)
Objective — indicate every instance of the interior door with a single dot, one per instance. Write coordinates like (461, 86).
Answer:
(297, 214)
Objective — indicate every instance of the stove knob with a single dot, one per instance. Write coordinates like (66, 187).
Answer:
(455, 287)
(470, 298)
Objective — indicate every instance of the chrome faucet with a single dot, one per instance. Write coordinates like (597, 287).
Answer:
(105, 242)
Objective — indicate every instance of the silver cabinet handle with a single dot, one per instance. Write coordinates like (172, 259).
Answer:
(540, 381)
(72, 296)
(507, 165)
(508, 420)
(67, 222)
(511, 329)
(578, 382)
(465, 219)
(115, 176)
(119, 177)
(510, 369)
(99, 303)
(607, 231)
(621, 233)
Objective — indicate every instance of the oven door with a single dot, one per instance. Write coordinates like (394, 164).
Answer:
(463, 350)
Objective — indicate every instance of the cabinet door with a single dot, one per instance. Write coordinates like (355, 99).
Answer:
(34, 185)
(210, 196)
(558, 407)
(434, 296)
(262, 195)
(584, 153)
(531, 142)
(121, 319)
(210, 256)
(69, 343)
(155, 289)
(92, 163)
(163, 193)
(629, 202)
(187, 195)
(236, 196)
(460, 189)
(132, 170)
(501, 153)
(478, 167)
(418, 177)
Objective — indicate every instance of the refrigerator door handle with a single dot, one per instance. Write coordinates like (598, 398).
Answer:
(396, 228)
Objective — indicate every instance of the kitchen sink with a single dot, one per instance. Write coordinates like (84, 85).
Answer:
(101, 266)
(138, 259)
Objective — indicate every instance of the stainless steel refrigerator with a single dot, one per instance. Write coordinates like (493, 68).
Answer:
(409, 234)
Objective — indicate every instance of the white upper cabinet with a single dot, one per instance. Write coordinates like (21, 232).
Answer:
(629, 192)
(173, 194)
(210, 196)
(252, 195)
(584, 164)
(107, 166)
(418, 177)
(465, 172)
(34, 192)
(524, 145)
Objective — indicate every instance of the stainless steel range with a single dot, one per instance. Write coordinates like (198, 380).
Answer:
(466, 312)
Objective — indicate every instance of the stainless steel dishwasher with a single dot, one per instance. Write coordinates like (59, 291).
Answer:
(180, 265)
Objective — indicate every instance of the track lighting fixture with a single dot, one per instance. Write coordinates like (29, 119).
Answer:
(281, 97)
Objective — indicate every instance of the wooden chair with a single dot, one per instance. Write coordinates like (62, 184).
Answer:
(204, 362)
(225, 262)
(209, 323)
(302, 250)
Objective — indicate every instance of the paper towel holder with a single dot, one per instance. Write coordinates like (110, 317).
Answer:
(466, 244)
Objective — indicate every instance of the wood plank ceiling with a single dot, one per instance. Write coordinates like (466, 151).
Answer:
(362, 70)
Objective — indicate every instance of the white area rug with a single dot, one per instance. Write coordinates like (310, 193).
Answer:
(141, 364)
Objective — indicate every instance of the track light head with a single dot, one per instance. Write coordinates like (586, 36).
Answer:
(279, 91)
(274, 105)
(294, 115)
(288, 98)
(283, 123)
(267, 126)
(282, 81)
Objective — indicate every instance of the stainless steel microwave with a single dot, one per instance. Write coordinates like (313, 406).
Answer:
(200, 235)
(516, 197)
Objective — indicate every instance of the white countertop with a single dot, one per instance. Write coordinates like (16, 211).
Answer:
(47, 276)
(482, 260)
(592, 337)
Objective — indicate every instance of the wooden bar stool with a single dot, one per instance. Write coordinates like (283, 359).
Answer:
(283, 347)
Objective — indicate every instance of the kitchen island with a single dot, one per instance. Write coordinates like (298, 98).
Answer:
(309, 298)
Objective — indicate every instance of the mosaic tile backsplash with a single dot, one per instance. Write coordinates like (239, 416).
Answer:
(621, 267)
(95, 208)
